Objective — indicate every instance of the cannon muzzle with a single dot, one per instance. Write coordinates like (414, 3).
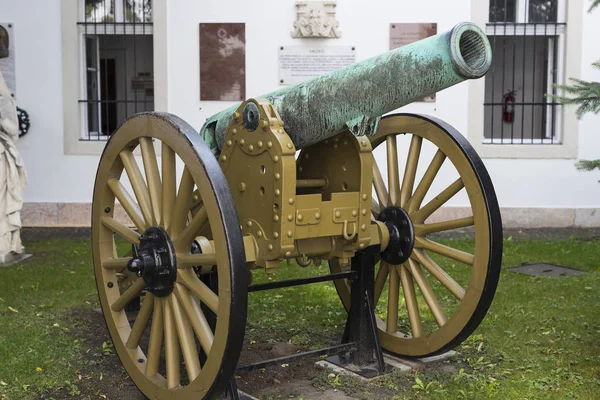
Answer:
(355, 97)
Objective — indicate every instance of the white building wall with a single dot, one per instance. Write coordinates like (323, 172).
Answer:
(60, 186)
(53, 177)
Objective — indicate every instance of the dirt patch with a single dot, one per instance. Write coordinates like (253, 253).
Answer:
(287, 380)
(101, 374)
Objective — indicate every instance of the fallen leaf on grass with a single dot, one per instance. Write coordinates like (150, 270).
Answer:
(38, 369)
(12, 309)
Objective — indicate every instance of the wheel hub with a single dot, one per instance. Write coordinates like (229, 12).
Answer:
(402, 235)
(155, 261)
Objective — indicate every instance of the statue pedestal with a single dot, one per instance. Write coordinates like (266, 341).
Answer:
(12, 258)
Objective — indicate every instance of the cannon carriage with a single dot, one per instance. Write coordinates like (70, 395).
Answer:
(238, 196)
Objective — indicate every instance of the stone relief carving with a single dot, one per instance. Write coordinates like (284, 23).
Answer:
(316, 19)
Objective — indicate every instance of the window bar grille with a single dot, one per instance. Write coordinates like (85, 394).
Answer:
(523, 83)
(539, 113)
(514, 57)
(104, 104)
(504, 63)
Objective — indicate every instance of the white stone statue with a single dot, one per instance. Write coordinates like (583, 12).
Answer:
(13, 179)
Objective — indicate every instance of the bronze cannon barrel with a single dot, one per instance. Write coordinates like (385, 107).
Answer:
(355, 97)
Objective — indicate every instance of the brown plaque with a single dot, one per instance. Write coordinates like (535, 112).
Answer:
(402, 34)
(223, 61)
(7, 56)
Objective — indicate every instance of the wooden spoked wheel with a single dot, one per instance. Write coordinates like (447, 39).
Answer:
(170, 348)
(438, 294)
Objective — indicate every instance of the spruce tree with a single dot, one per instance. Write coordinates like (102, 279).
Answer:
(586, 95)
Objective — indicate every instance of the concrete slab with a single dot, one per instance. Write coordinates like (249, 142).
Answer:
(392, 362)
(542, 269)
(13, 258)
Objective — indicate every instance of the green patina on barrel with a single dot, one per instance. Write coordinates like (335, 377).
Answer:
(355, 97)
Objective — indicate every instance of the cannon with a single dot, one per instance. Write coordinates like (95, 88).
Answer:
(295, 175)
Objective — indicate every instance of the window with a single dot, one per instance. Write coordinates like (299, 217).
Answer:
(117, 58)
(528, 44)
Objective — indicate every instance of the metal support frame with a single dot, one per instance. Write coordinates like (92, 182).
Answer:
(301, 281)
(360, 342)
(361, 326)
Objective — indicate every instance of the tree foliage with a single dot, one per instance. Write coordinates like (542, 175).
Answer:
(586, 95)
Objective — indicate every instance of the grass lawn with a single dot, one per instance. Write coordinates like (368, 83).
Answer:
(540, 340)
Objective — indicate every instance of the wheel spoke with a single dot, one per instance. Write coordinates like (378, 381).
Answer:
(182, 203)
(125, 232)
(171, 348)
(375, 208)
(412, 307)
(116, 263)
(141, 321)
(152, 176)
(393, 295)
(188, 260)
(156, 339)
(438, 273)
(426, 229)
(138, 184)
(184, 240)
(196, 317)
(193, 283)
(128, 203)
(380, 279)
(169, 184)
(130, 294)
(380, 189)
(458, 255)
(186, 339)
(415, 201)
(428, 294)
(438, 201)
(393, 172)
(408, 182)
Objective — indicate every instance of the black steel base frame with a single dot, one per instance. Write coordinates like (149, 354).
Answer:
(360, 341)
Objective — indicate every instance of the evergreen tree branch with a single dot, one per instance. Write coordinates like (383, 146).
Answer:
(585, 94)
(588, 165)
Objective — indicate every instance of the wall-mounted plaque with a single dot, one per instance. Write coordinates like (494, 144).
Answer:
(402, 34)
(7, 56)
(223, 61)
(300, 63)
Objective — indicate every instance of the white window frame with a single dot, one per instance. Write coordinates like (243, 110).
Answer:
(569, 64)
(73, 63)
(97, 30)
